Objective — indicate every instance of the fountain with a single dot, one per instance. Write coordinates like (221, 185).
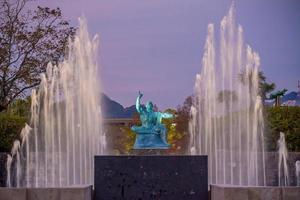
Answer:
(226, 116)
(297, 164)
(65, 131)
(282, 161)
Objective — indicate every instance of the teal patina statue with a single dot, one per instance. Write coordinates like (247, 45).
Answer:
(152, 134)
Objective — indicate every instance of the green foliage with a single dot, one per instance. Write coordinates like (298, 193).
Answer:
(12, 121)
(176, 134)
(173, 134)
(10, 128)
(121, 138)
(183, 115)
(283, 119)
(127, 141)
(20, 107)
(264, 86)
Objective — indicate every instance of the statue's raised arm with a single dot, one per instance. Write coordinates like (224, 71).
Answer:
(138, 102)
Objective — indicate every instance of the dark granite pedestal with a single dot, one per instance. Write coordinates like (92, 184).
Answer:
(151, 177)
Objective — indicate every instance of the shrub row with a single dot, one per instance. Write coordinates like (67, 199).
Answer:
(283, 119)
(10, 128)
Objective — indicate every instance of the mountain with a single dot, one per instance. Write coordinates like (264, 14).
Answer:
(291, 99)
(289, 96)
(113, 109)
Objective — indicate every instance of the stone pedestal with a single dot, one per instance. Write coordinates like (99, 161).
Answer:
(150, 177)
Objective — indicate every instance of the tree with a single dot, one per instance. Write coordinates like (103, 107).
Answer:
(227, 96)
(29, 40)
(277, 95)
(10, 128)
(284, 119)
(20, 107)
(183, 115)
(264, 87)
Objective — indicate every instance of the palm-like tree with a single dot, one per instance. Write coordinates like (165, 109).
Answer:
(264, 87)
(277, 95)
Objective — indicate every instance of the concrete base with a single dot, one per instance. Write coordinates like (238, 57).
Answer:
(225, 192)
(64, 193)
(13, 193)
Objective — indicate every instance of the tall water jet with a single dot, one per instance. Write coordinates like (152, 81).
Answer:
(283, 178)
(65, 130)
(297, 165)
(226, 116)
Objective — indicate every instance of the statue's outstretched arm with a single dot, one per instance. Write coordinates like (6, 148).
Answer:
(161, 115)
(167, 115)
(138, 102)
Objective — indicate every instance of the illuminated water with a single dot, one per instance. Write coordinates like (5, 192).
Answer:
(226, 116)
(297, 164)
(283, 170)
(65, 131)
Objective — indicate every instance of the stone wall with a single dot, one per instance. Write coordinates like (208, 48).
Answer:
(3, 157)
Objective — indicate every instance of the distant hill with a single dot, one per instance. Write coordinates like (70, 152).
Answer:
(291, 99)
(113, 109)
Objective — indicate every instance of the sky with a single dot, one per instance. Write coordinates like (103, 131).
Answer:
(156, 46)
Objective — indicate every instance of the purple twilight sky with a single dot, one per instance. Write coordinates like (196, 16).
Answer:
(156, 46)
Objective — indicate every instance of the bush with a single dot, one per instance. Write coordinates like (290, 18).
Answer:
(10, 128)
(283, 119)
(20, 107)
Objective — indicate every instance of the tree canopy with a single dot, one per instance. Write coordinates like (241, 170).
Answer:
(29, 40)
(264, 87)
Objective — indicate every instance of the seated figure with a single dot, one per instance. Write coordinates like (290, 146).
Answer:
(152, 134)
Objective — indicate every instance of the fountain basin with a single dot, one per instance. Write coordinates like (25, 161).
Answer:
(80, 192)
(230, 192)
